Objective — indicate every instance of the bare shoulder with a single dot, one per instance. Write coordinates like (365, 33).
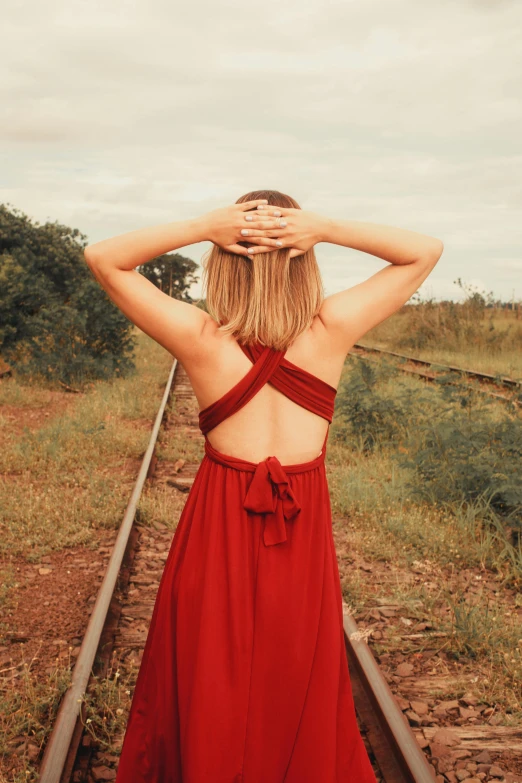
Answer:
(320, 352)
(217, 353)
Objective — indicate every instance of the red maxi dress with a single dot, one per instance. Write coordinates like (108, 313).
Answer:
(244, 677)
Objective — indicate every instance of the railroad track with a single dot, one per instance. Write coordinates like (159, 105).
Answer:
(119, 624)
(500, 387)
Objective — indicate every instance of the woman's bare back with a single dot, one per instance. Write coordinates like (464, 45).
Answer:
(270, 424)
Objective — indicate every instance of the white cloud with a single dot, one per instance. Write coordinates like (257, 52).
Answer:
(129, 114)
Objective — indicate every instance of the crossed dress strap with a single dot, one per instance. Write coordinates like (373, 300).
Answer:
(299, 385)
(270, 493)
(261, 371)
(270, 366)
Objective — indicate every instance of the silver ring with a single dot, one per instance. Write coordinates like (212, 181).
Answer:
(279, 221)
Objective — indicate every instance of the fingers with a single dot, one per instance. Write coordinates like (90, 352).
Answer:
(294, 251)
(269, 210)
(275, 233)
(261, 206)
(252, 251)
(248, 252)
(260, 217)
(262, 240)
(274, 244)
(252, 204)
(265, 223)
(261, 244)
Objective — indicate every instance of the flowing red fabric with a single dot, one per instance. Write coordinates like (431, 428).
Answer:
(244, 677)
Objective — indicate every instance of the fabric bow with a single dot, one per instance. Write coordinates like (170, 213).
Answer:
(270, 485)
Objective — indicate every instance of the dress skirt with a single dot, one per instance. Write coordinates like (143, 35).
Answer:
(244, 676)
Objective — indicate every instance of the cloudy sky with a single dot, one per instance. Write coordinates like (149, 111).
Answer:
(120, 115)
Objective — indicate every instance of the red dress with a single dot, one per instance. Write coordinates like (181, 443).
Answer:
(244, 677)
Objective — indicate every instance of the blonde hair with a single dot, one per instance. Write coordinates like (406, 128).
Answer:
(269, 297)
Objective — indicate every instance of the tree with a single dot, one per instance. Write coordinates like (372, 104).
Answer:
(172, 273)
(55, 320)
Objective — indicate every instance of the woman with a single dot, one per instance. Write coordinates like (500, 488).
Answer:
(244, 677)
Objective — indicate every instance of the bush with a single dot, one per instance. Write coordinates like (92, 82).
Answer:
(464, 458)
(461, 445)
(372, 416)
(55, 320)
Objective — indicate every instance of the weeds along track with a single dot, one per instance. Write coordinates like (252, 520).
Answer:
(61, 749)
(500, 387)
(120, 620)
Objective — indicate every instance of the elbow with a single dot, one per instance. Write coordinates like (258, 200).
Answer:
(90, 256)
(434, 251)
(438, 247)
(94, 260)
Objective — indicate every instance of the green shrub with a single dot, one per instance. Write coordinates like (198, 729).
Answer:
(458, 445)
(56, 321)
(458, 458)
(371, 415)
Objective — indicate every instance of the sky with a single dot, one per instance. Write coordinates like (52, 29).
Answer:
(117, 116)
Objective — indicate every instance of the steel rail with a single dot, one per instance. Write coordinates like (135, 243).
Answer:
(398, 754)
(505, 381)
(57, 747)
(432, 377)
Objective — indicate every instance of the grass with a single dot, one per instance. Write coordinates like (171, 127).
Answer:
(26, 710)
(160, 506)
(13, 392)
(107, 704)
(59, 483)
(472, 349)
(160, 503)
(70, 476)
(174, 444)
(378, 515)
(371, 488)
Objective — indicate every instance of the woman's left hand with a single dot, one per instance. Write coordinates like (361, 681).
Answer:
(294, 228)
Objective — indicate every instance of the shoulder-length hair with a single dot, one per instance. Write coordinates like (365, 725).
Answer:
(269, 297)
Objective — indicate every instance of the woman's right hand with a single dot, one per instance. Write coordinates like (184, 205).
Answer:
(228, 226)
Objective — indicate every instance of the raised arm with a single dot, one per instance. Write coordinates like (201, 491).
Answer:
(174, 324)
(349, 314)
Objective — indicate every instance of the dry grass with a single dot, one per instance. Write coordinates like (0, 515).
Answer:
(70, 476)
(58, 484)
(376, 518)
(372, 491)
(161, 505)
(26, 710)
(173, 443)
(506, 360)
(107, 704)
